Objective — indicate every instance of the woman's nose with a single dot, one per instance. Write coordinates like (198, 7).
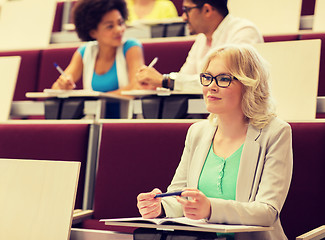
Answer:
(213, 86)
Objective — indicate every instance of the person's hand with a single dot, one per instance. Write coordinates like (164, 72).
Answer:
(149, 78)
(64, 82)
(149, 207)
(197, 206)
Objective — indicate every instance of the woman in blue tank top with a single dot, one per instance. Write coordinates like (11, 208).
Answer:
(107, 62)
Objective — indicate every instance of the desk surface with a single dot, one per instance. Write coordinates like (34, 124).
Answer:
(183, 224)
(50, 93)
(158, 92)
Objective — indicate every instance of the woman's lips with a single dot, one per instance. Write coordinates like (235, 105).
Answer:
(213, 98)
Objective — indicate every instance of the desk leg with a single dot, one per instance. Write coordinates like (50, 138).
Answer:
(126, 110)
(52, 108)
(100, 109)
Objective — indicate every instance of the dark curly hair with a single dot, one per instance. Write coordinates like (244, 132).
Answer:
(220, 5)
(87, 14)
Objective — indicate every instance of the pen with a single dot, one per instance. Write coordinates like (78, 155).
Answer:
(62, 73)
(153, 62)
(168, 194)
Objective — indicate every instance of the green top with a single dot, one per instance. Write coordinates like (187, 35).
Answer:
(218, 177)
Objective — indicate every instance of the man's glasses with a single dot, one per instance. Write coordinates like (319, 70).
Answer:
(187, 9)
(222, 80)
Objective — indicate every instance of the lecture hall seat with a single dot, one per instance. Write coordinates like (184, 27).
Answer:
(304, 207)
(59, 142)
(172, 55)
(133, 158)
(27, 79)
(47, 72)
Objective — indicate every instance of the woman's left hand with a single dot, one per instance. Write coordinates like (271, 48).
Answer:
(197, 206)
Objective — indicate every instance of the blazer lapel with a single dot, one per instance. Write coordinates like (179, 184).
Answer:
(199, 156)
(248, 164)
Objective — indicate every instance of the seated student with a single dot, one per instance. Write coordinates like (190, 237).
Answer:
(210, 19)
(236, 166)
(150, 10)
(107, 63)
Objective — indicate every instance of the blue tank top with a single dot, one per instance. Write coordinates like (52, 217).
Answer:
(108, 81)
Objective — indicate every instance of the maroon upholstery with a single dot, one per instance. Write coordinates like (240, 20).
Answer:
(178, 4)
(47, 142)
(172, 55)
(134, 158)
(48, 73)
(308, 7)
(58, 17)
(304, 208)
(321, 81)
(282, 37)
(28, 72)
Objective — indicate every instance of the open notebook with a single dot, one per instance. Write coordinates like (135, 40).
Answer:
(37, 198)
(9, 67)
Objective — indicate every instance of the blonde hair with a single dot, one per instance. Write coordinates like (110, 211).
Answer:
(247, 65)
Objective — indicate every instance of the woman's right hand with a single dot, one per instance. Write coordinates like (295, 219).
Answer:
(64, 82)
(149, 207)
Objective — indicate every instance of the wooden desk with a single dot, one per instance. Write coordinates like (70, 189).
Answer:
(82, 234)
(159, 104)
(37, 198)
(99, 98)
(184, 224)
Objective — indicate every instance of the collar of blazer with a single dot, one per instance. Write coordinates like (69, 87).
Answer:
(248, 164)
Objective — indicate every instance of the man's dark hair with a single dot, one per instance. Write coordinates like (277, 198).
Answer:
(87, 14)
(220, 5)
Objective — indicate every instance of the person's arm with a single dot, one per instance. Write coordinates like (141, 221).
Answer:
(73, 72)
(134, 60)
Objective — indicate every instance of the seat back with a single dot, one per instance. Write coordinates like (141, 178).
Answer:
(60, 142)
(48, 73)
(171, 55)
(306, 195)
(9, 67)
(27, 79)
(135, 158)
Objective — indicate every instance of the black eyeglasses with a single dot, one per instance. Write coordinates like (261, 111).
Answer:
(222, 80)
(187, 9)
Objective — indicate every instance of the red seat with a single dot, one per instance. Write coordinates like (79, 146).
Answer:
(178, 4)
(282, 37)
(172, 55)
(48, 73)
(61, 142)
(27, 79)
(306, 195)
(308, 7)
(133, 158)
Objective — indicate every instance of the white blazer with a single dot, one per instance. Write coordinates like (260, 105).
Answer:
(263, 180)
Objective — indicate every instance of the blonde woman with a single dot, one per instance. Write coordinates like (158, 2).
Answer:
(236, 166)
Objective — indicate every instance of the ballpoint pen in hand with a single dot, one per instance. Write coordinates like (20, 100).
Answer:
(63, 74)
(168, 194)
(153, 62)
